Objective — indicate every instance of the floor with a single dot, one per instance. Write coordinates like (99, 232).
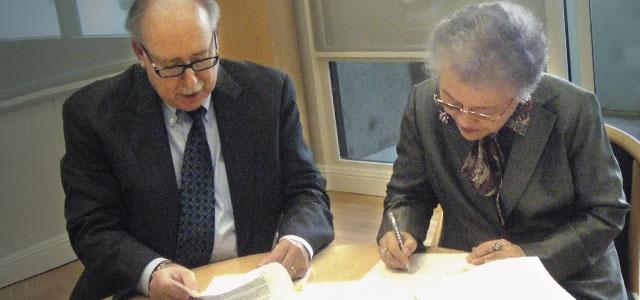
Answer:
(356, 220)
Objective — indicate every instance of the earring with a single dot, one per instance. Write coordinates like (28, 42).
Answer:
(443, 117)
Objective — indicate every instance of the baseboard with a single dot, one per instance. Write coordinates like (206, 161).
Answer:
(36, 259)
(358, 180)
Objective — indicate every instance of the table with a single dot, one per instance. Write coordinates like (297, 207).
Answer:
(335, 263)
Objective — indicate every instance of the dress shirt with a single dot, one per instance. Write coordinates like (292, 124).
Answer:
(178, 124)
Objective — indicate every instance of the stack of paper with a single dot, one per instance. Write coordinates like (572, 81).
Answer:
(270, 281)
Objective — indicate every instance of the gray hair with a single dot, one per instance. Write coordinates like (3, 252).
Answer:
(492, 43)
(138, 8)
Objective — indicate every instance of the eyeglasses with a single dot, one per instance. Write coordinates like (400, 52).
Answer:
(177, 70)
(459, 108)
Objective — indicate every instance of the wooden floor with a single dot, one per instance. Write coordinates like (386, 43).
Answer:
(356, 220)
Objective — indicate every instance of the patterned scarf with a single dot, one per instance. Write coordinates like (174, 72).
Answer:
(484, 164)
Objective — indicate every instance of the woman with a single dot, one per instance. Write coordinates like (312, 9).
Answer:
(518, 159)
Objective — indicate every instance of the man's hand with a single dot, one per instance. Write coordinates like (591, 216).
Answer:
(390, 251)
(173, 282)
(494, 250)
(290, 254)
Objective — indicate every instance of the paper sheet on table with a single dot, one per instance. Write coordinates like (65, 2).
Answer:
(351, 290)
(449, 276)
(424, 267)
(270, 281)
(515, 278)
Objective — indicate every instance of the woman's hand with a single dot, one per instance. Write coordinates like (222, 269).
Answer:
(494, 250)
(390, 251)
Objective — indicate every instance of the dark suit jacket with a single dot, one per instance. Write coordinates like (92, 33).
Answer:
(561, 192)
(122, 199)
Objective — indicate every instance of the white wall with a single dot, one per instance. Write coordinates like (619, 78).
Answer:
(32, 229)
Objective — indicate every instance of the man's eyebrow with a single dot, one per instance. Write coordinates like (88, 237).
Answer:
(178, 61)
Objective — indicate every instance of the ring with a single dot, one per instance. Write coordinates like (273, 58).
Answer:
(293, 270)
(496, 247)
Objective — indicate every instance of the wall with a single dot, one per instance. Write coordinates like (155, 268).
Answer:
(263, 31)
(33, 233)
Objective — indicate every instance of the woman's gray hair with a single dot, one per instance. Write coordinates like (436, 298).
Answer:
(491, 44)
(138, 8)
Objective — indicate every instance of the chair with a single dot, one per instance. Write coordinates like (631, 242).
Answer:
(435, 228)
(627, 151)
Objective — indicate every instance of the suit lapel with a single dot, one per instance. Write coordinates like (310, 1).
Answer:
(526, 150)
(236, 128)
(149, 141)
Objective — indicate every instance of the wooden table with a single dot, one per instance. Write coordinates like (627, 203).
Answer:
(335, 263)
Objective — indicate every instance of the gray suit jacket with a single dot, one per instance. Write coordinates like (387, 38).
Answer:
(561, 193)
(122, 199)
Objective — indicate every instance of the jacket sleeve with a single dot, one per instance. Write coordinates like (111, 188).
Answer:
(306, 209)
(409, 194)
(94, 208)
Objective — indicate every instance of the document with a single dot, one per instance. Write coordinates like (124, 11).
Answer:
(269, 282)
(449, 276)
(352, 290)
(514, 278)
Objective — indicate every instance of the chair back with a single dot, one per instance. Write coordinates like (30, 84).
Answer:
(626, 149)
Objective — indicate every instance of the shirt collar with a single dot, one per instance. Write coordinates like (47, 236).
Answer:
(173, 115)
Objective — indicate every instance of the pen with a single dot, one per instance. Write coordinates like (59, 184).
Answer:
(396, 230)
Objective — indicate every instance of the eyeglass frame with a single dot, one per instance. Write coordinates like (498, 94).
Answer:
(456, 108)
(184, 67)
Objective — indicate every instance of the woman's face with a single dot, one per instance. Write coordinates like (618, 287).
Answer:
(496, 102)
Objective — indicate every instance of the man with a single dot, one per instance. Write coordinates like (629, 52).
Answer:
(149, 150)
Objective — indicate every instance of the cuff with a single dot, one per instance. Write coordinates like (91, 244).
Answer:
(143, 283)
(300, 240)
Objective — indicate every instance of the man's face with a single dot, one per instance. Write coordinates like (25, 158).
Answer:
(179, 34)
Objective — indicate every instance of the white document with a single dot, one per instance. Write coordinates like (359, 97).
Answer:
(423, 265)
(269, 282)
(514, 278)
(351, 290)
(449, 276)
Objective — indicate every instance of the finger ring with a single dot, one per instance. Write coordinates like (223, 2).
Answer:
(496, 247)
(293, 270)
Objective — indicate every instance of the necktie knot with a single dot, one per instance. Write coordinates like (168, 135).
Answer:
(197, 113)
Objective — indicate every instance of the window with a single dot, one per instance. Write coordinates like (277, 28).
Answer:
(14, 25)
(604, 56)
(369, 99)
(99, 17)
(49, 43)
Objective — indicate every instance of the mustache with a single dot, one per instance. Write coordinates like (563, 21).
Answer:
(191, 91)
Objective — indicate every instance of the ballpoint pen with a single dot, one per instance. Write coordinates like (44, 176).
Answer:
(396, 230)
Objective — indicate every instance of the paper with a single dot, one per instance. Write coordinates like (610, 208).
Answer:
(351, 290)
(269, 282)
(449, 276)
(429, 266)
(514, 278)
